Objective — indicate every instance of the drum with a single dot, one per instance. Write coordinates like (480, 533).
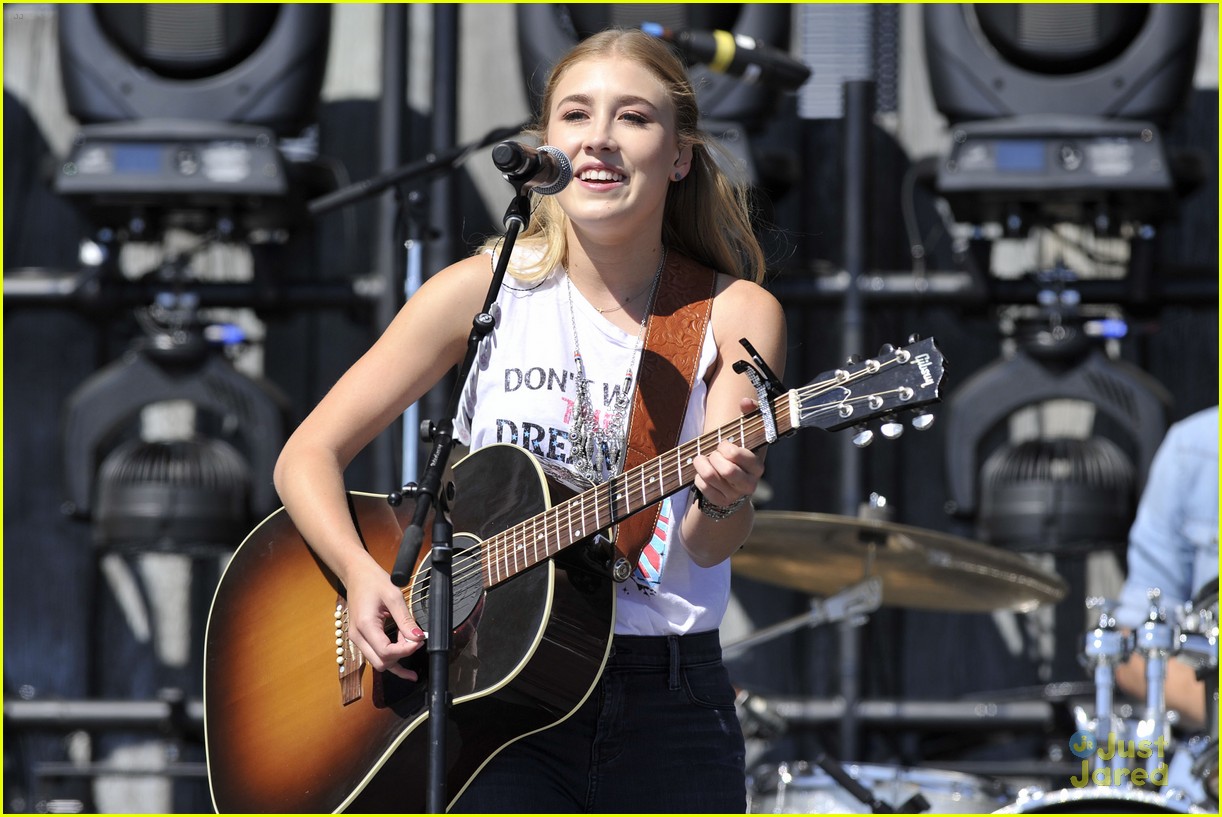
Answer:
(1098, 800)
(799, 788)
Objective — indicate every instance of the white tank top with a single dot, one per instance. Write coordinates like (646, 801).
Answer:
(522, 391)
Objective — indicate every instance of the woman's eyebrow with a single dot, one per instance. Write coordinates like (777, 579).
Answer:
(621, 101)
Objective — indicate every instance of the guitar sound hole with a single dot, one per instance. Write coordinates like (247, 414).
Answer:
(468, 575)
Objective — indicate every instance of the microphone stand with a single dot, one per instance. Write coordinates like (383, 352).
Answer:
(427, 494)
(442, 162)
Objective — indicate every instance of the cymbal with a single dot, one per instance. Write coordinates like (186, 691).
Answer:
(821, 554)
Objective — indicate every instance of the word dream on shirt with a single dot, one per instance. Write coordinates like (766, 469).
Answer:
(551, 442)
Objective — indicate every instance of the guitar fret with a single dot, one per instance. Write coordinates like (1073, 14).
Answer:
(575, 531)
(610, 502)
(544, 527)
(536, 535)
(553, 529)
(582, 502)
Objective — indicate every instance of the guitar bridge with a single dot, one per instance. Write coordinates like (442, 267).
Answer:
(347, 656)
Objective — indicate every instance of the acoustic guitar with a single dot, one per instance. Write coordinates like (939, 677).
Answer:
(295, 721)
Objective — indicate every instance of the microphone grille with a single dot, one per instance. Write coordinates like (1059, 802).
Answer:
(566, 171)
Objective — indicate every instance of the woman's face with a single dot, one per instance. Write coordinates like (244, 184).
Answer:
(616, 123)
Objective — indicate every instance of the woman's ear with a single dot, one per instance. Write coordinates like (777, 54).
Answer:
(683, 164)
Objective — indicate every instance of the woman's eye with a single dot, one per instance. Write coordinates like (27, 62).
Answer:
(573, 116)
(635, 118)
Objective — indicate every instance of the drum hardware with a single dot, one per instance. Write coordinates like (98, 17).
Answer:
(1154, 639)
(1204, 751)
(820, 554)
(1197, 645)
(1058, 692)
(1105, 647)
(1191, 637)
(852, 604)
(795, 710)
(1099, 800)
(800, 787)
(913, 805)
(759, 721)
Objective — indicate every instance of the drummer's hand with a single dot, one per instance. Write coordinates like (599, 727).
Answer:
(373, 599)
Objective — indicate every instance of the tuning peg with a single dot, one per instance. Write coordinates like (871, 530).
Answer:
(914, 338)
(892, 429)
(885, 349)
(863, 437)
(922, 420)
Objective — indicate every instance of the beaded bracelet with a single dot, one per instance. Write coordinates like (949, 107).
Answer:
(717, 512)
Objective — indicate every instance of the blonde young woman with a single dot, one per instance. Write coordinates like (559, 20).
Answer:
(658, 732)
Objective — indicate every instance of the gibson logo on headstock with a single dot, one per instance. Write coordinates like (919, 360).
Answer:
(924, 363)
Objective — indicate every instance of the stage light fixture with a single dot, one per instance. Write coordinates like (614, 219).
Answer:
(1056, 109)
(182, 109)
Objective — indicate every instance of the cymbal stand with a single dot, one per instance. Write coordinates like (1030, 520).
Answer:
(1154, 640)
(852, 604)
(1106, 646)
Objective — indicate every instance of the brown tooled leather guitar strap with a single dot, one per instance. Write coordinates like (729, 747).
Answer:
(674, 336)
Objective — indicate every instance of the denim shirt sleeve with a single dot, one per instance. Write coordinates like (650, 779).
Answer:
(1173, 543)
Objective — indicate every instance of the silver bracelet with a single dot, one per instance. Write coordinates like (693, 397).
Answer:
(717, 512)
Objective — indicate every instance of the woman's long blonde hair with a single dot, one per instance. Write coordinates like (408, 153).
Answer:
(707, 217)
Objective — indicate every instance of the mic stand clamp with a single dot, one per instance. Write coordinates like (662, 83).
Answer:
(437, 598)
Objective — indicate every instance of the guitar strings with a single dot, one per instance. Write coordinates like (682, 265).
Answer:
(498, 547)
(468, 562)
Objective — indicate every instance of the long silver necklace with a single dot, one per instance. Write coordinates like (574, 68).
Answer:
(597, 451)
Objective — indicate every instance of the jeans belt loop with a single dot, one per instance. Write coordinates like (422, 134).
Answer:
(672, 644)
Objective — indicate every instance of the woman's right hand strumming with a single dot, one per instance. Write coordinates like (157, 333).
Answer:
(376, 605)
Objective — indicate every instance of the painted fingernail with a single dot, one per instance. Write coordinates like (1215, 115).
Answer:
(419, 633)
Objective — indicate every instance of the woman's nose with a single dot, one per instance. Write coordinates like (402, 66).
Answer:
(599, 136)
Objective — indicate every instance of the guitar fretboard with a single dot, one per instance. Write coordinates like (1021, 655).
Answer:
(546, 534)
(832, 401)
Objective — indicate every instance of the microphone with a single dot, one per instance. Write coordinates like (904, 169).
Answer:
(546, 170)
(735, 54)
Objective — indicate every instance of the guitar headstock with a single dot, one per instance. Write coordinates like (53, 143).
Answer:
(892, 384)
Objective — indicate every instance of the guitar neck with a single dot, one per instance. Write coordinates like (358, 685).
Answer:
(896, 380)
(544, 535)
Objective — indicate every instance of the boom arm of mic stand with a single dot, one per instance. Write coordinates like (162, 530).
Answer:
(433, 163)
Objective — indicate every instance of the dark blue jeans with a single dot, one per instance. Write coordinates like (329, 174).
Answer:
(658, 734)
